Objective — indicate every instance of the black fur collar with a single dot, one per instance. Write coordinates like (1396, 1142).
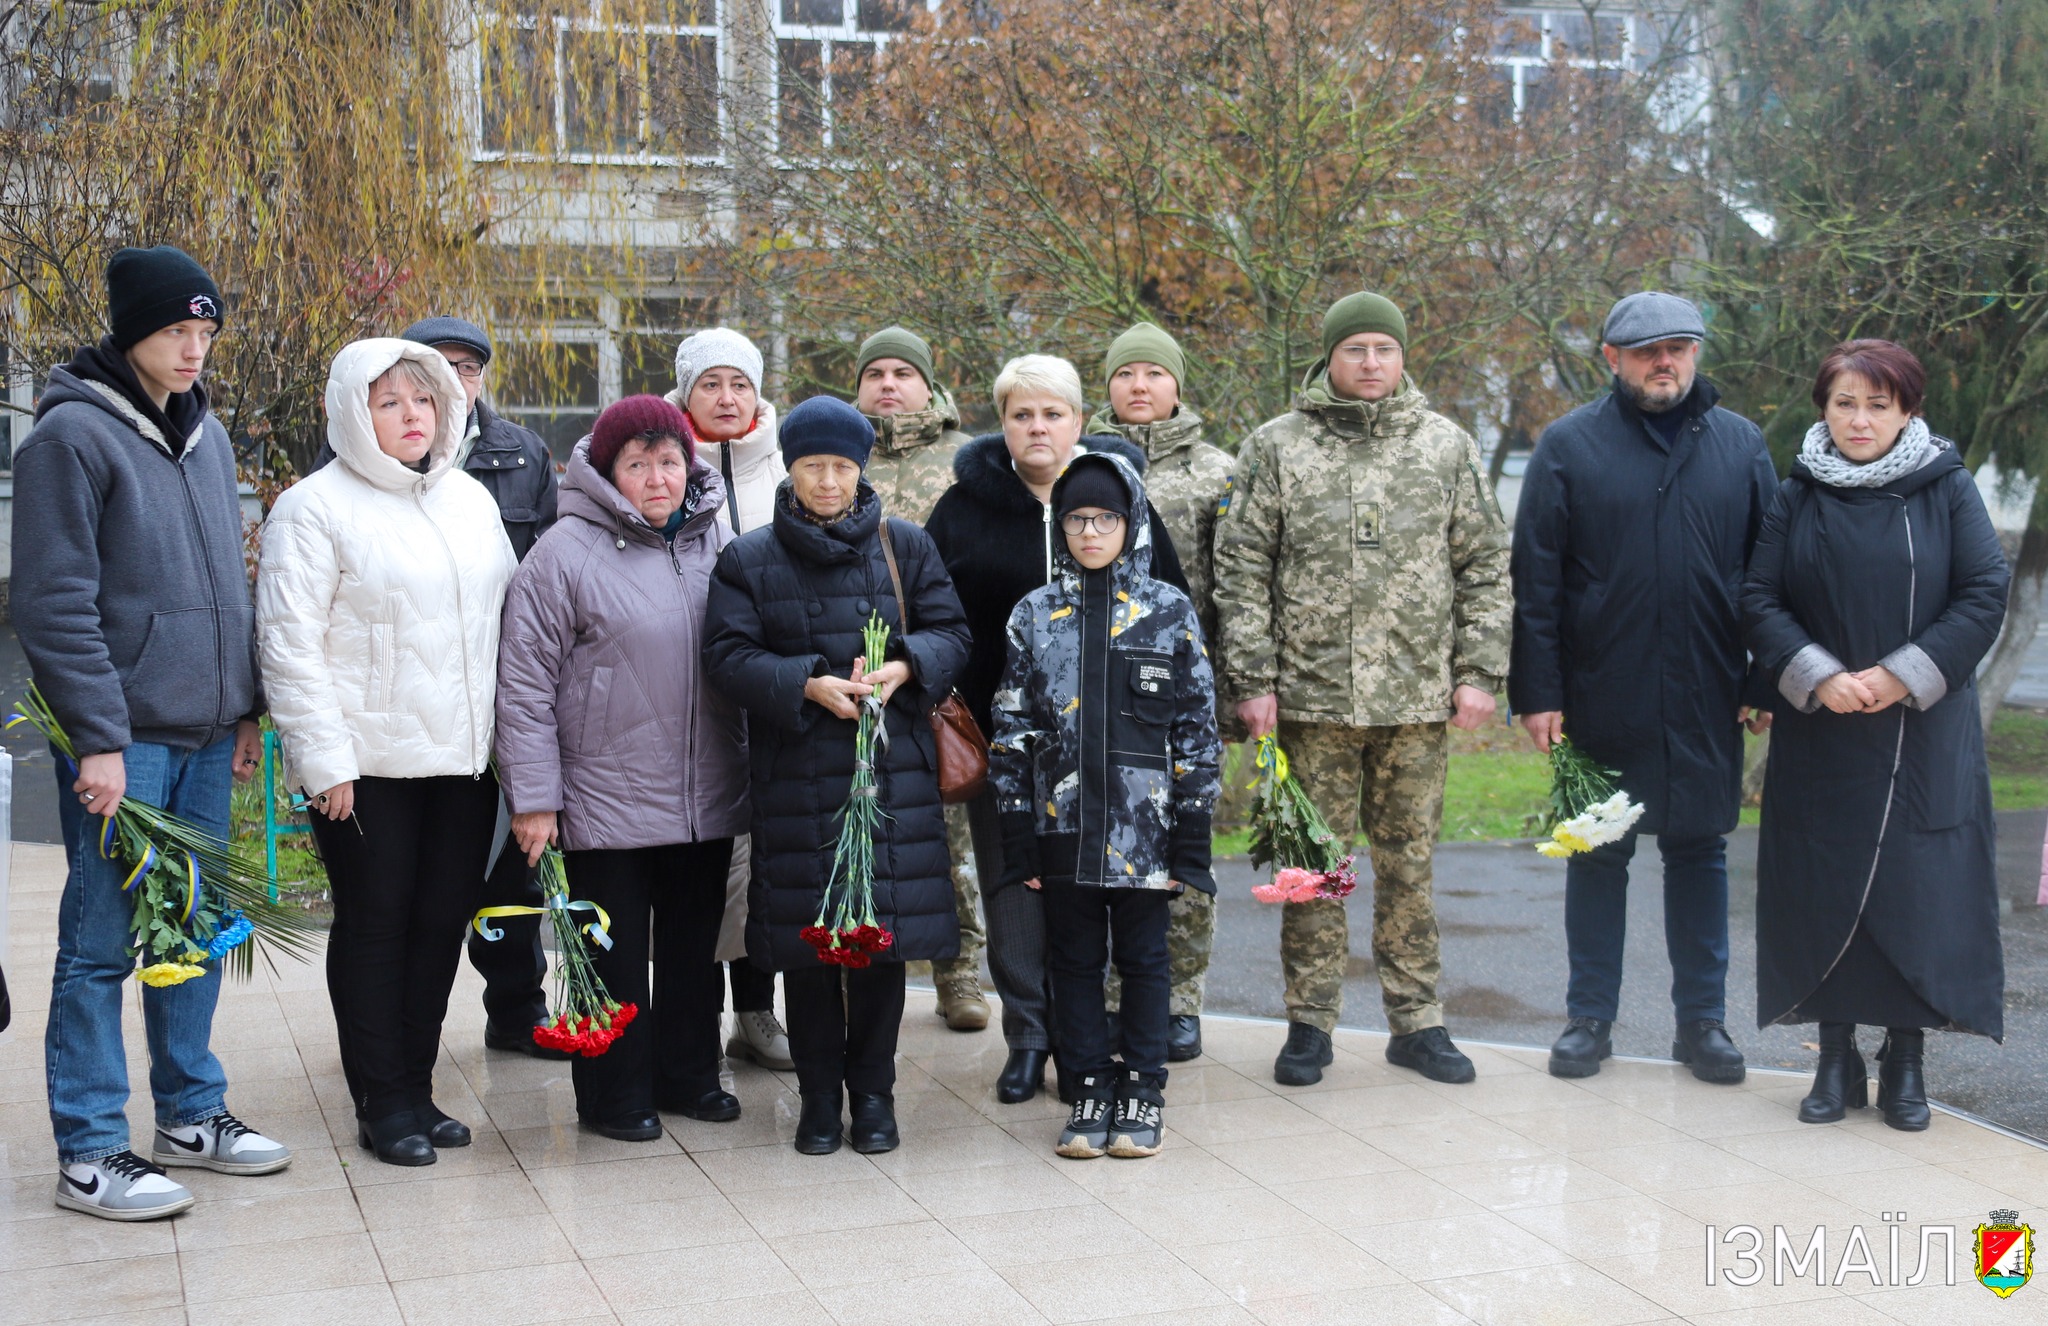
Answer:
(983, 468)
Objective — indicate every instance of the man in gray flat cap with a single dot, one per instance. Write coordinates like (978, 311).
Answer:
(1630, 546)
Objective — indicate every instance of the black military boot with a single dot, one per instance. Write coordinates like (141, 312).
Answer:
(1304, 1057)
(1705, 1046)
(1586, 1041)
(1183, 1038)
(1901, 1082)
(1431, 1053)
(1840, 1082)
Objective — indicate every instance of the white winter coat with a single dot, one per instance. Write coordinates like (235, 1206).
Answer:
(756, 466)
(379, 594)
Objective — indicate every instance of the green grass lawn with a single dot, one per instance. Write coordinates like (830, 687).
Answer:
(1499, 786)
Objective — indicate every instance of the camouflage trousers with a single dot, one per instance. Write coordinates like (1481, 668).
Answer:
(1190, 937)
(966, 901)
(1389, 783)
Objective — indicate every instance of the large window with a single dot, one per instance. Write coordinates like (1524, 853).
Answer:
(1528, 41)
(593, 353)
(825, 53)
(587, 88)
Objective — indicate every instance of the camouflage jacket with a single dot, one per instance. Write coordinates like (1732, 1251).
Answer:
(1109, 780)
(912, 462)
(1362, 563)
(1185, 479)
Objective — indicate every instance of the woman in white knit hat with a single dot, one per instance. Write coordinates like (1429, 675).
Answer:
(718, 389)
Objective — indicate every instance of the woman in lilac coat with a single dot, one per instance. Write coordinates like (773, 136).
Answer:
(611, 744)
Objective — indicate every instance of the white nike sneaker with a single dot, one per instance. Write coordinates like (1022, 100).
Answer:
(122, 1186)
(760, 1037)
(224, 1144)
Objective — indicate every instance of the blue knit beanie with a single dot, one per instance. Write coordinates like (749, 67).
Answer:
(826, 426)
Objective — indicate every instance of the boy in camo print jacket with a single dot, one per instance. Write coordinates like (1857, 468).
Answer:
(1104, 763)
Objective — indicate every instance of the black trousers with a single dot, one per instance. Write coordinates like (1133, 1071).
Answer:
(753, 990)
(404, 873)
(514, 968)
(665, 904)
(843, 1031)
(1081, 927)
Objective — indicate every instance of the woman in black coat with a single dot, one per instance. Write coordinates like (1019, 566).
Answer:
(994, 528)
(783, 640)
(1876, 587)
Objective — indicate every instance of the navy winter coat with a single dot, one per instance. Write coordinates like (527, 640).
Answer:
(1628, 562)
(1881, 818)
(788, 601)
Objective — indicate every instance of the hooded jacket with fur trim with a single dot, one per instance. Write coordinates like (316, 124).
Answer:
(378, 599)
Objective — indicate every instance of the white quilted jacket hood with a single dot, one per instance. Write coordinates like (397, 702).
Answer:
(757, 468)
(378, 596)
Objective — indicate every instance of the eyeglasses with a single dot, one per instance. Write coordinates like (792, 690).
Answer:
(1358, 354)
(1105, 522)
(468, 368)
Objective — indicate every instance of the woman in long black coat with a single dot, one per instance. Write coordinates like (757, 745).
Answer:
(995, 530)
(783, 640)
(1876, 587)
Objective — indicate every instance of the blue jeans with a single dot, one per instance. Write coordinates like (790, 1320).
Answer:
(1695, 926)
(82, 1050)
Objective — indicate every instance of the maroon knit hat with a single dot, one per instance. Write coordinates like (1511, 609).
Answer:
(636, 416)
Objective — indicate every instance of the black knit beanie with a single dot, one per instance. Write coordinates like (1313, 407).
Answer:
(1093, 481)
(149, 289)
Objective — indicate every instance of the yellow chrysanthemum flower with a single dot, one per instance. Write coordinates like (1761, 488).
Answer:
(1571, 842)
(1554, 850)
(169, 973)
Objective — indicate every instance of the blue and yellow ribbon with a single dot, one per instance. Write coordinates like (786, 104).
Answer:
(191, 888)
(597, 930)
(1268, 755)
(142, 867)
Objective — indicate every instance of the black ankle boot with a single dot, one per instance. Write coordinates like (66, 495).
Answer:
(817, 1127)
(398, 1139)
(1901, 1081)
(873, 1125)
(442, 1130)
(1023, 1076)
(1840, 1083)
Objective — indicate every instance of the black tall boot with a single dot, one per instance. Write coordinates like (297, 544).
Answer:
(1841, 1082)
(1901, 1081)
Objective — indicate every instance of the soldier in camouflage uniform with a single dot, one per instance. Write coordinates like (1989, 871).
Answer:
(1361, 582)
(1185, 480)
(1104, 765)
(917, 430)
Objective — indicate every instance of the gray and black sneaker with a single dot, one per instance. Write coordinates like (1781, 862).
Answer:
(1087, 1130)
(223, 1144)
(1136, 1130)
(122, 1186)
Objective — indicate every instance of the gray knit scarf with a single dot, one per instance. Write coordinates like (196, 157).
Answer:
(1825, 462)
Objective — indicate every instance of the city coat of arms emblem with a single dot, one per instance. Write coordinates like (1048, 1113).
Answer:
(2005, 1253)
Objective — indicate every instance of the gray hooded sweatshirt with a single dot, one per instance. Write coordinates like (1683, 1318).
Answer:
(130, 594)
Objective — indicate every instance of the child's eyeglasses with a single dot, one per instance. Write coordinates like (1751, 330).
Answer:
(1105, 522)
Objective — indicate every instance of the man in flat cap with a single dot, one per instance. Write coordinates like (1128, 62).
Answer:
(1633, 535)
(1361, 592)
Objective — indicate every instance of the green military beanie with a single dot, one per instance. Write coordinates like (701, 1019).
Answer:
(895, 343)
(1146, 343)
(1362, 312)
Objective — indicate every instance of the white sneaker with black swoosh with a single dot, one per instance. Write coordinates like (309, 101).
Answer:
(122, 1186)
(224, 1144)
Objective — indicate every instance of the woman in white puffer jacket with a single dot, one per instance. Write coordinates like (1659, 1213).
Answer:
(377, 608)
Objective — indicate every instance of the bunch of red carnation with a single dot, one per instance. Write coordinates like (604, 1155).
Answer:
(588, 1037)
(852, 946)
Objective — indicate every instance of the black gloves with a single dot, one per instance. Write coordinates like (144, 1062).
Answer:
(1187, 852)
(1020, 847)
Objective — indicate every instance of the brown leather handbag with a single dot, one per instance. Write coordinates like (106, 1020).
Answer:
(963, 751)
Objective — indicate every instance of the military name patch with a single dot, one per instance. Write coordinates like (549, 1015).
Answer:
(1154, 678)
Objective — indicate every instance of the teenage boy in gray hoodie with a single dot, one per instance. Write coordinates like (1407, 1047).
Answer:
(132, 603)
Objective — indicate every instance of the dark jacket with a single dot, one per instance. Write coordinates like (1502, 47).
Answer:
(515, 467)
(998, 543)
(1117, 790)
(788, 602)
(1880, 818)
(604, 712)
(1628, 562)
(130, 593)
